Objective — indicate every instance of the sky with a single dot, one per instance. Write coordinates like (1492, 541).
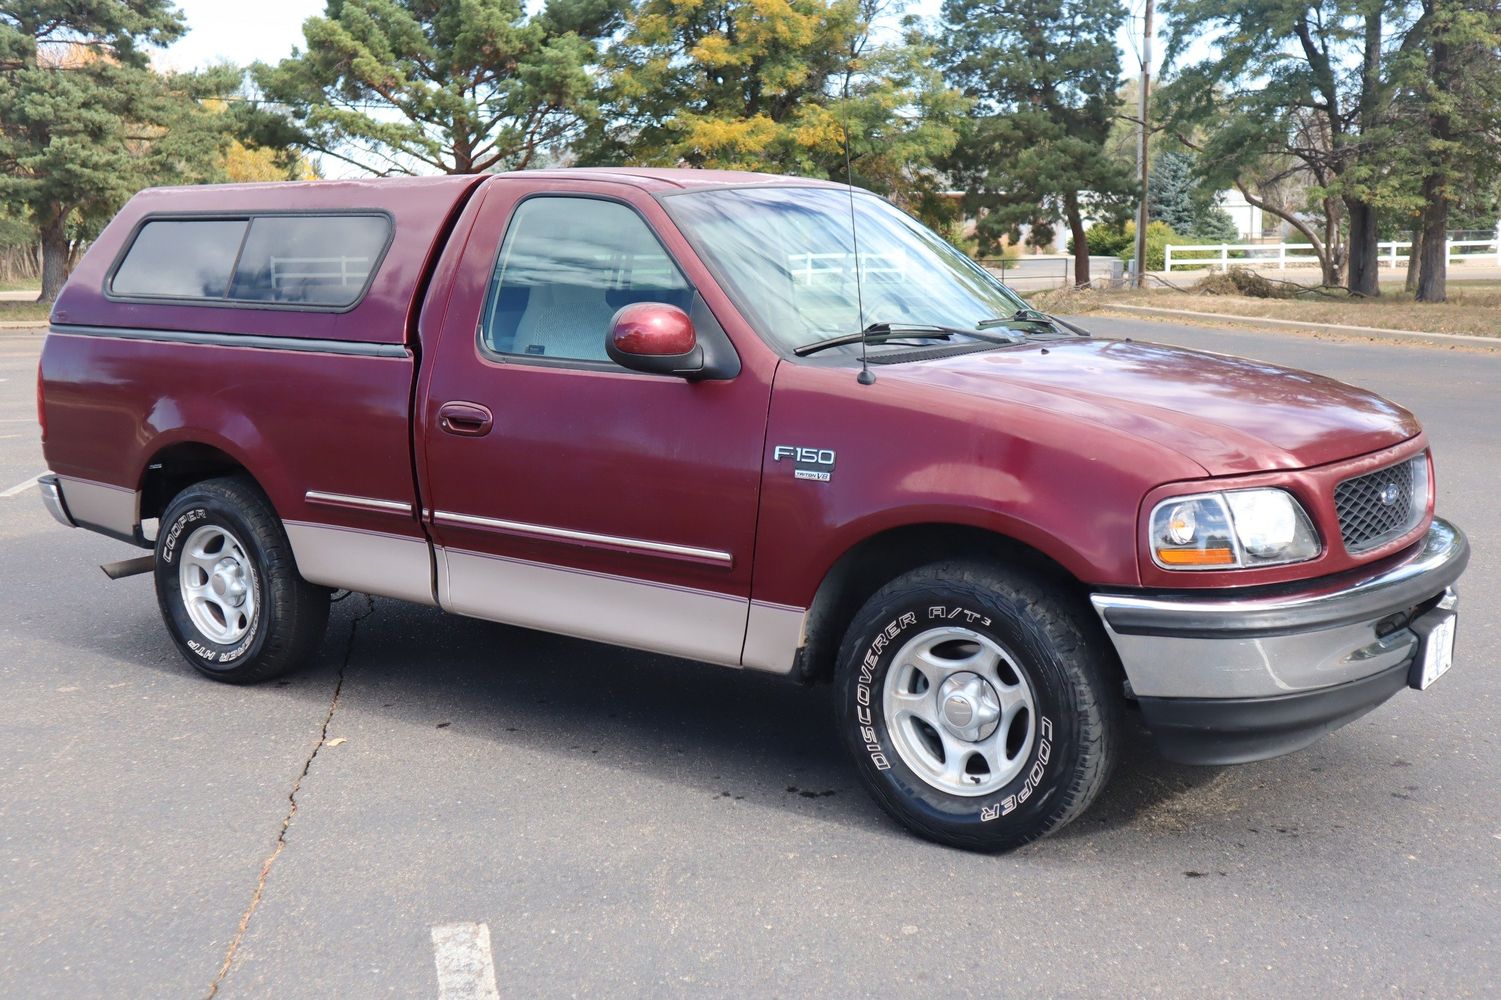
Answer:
(240, 33)
(267, 30)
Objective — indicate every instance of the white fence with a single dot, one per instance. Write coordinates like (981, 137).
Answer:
(1284, 255)
(342, 272)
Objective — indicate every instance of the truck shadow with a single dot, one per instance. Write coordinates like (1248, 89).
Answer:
(736, 735)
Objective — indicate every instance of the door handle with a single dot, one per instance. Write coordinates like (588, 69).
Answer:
(465, 419)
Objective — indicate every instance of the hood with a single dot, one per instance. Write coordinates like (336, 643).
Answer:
(1230, 415)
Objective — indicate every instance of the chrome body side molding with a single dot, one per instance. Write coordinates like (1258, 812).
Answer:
(324, 499)
(588, 538)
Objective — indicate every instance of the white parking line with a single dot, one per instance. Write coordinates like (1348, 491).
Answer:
(466, 969)
(20, 488)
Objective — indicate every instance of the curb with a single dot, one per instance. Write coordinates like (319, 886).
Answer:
(40, 326)
(1375, 332)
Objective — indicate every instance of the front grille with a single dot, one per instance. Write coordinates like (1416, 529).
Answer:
(1382, 505)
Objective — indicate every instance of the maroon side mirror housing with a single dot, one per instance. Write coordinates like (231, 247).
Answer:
(657, 338)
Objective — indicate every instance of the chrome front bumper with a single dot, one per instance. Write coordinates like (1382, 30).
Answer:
(1304, 661)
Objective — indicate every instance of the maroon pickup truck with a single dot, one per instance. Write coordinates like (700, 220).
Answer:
(755, 421)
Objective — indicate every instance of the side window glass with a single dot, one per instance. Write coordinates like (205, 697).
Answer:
(309, 260)
(188, 259)
(297, 260)
(566, 265)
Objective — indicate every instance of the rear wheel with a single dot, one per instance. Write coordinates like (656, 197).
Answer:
(228, 586)
(978, 704)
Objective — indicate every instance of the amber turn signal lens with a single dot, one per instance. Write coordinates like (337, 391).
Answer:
(1196, 557)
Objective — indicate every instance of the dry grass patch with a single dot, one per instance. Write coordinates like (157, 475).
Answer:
(1474, 308)
(24, 312)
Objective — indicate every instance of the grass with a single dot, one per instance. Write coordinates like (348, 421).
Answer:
(20, 285)
(1474, 308)
(24, 312)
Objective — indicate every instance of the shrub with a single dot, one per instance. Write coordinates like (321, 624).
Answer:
(1105, 239)
(1159, 235)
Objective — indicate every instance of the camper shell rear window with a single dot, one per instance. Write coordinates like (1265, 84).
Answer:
(314, 261)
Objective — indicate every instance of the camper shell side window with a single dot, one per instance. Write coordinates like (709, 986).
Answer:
(323, 261)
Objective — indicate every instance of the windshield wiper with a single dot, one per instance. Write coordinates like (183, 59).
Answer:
(879, 333)
(1026, 314)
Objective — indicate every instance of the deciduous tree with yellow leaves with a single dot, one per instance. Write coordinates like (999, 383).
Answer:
(772, 85)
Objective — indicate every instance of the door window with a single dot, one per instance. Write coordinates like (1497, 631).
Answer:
(566, 266)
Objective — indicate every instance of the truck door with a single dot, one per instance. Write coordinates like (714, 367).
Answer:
(564, 492)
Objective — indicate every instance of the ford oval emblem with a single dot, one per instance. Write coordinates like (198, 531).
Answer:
(1389, 494)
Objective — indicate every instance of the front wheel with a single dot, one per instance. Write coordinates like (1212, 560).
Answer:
(228, 586)
(978, 705)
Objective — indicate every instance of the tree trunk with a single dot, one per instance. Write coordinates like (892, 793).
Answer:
(1327, 265)
(1362, 277)
(54, 257)
(1081, 242)
(1414, 255)
(1330, 265)
(1334, 261)
(1433, 272)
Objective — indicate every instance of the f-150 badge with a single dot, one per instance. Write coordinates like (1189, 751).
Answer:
(816, 464)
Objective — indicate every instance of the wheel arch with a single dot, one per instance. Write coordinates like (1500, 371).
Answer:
(175, 465)
(875, 560)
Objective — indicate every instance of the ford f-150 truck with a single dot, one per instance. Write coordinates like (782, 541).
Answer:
(754, 421)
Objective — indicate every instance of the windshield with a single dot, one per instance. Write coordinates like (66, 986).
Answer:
(786, 256)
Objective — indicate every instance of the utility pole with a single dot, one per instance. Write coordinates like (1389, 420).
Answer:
(1142, 134)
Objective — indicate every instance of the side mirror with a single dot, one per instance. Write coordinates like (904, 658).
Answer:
(656, 338)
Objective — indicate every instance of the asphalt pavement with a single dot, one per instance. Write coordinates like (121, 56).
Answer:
(446, 807)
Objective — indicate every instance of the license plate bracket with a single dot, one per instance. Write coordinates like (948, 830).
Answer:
(1435, 631)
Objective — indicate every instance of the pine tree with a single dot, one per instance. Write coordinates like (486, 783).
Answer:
(85, 122)
(1215, 226)
(454, 86)
(1170, 192)
(1043, 75)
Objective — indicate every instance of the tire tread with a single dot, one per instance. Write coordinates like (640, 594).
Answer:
(302, 607)
(1073, 640)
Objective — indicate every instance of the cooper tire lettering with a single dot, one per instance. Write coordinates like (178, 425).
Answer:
(1059, 763)
(285, 622)
(169, 541)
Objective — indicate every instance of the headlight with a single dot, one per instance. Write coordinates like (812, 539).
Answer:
(1232, 530)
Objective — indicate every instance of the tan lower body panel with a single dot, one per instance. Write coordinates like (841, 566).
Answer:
(367, 561)
(676, 621)
(98, 505)
(773, 634)
(695, 624)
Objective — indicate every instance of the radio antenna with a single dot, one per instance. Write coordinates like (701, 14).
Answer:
(866, 376)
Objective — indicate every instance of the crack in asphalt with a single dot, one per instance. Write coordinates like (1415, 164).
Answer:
(286, 822)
